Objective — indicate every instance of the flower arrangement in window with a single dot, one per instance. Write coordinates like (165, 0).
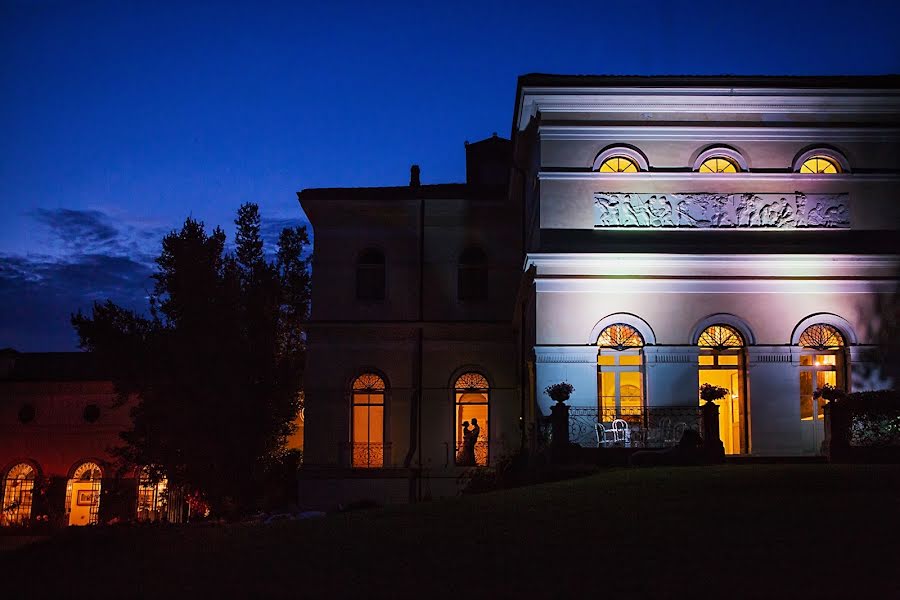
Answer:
(711, 392)
(560, 391)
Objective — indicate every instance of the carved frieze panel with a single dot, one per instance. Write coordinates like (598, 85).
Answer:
(721, 211)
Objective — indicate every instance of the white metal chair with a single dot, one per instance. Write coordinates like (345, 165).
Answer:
(621, 433)
(602, 438)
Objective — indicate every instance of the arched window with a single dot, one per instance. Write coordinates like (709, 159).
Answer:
(367, 423)
(472, 275)
(718, 164)
(18, 490)
(721, 364)
(472, 405)
(618, 164)
(620, 373)
(821, 363)
(83, 494)
(152, 496)
(820, 164)
(370, 275)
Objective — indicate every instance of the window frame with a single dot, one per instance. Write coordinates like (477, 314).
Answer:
(371, 269)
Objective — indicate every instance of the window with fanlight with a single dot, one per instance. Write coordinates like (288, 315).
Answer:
(718, 164)
(821, 363)
(367, 421)
(721, 363)
(472, 410)
(18, 492)
(618, 164)
(620, 373)
(820, 164)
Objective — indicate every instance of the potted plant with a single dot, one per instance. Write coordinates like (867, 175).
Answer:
(828, 392)
(711, 392)
(560, 391)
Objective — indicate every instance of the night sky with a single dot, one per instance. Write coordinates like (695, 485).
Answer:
(119, 119)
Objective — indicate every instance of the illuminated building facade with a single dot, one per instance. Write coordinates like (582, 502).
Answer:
(637, 237)
(58, 421)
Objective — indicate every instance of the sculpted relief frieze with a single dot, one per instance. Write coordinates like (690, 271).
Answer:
(722, 211)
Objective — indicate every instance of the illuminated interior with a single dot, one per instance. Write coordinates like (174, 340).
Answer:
(718, 164)
(721, 363)
(367, 427)
(618, 164)
(821, 363)
(18, 489)
(151, 505)
(820, 164)
(83, 494)
(472, 405)
(620, 373)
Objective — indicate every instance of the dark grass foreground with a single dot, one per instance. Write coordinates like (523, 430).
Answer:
(798, 531)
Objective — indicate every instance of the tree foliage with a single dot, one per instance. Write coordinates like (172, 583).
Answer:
(216, 367)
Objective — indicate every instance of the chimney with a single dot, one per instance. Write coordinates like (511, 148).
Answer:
(414, 176)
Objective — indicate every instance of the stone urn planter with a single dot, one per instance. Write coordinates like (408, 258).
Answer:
(560, 392)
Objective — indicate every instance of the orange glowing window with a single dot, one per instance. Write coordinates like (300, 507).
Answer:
(18, 489)
(718, 164)
(819, 165)
(618, 164)
(821, 337)
(720, 336)
(620, 336)
(367, 426)
(472, 406)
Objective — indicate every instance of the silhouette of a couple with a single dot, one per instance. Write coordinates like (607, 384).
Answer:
(466, 456)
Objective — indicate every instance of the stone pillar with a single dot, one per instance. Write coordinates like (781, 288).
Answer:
(837, 431)
(575, 364)
(712, 441)
(559, 422)
(773, 400)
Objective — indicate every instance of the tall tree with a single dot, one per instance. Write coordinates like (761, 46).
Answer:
(216, 368)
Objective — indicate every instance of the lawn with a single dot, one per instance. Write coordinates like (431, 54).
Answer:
(800, 531)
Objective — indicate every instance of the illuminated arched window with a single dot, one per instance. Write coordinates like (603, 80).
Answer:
(18, 489)
(618, 164)
(367, 425)
(820, 164)
(620, 373)
(821, 363)
(720, 337)
(718, 164)
(721, 364)
(83, 494)
(472, 409)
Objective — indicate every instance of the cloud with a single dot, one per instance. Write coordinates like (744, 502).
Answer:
(88, 257)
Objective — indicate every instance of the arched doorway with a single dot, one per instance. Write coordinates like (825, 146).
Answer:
(472, 409)
(83, 494)
(620, 373)
(721, 363)
(18, 492)
(822, 362)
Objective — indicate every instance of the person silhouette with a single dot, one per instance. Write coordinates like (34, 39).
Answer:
(469, 444)
(463, 457)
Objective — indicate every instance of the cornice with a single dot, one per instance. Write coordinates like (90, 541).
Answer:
(651, 132)
(712, 100)
(719, 178)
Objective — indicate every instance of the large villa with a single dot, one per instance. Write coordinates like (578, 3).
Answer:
(636, 237)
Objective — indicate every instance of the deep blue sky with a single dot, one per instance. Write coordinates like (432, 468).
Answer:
(118, 119)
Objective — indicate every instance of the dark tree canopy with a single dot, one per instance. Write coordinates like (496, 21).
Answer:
(216, 368)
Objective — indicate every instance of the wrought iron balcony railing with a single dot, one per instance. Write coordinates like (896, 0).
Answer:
(365, 455)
